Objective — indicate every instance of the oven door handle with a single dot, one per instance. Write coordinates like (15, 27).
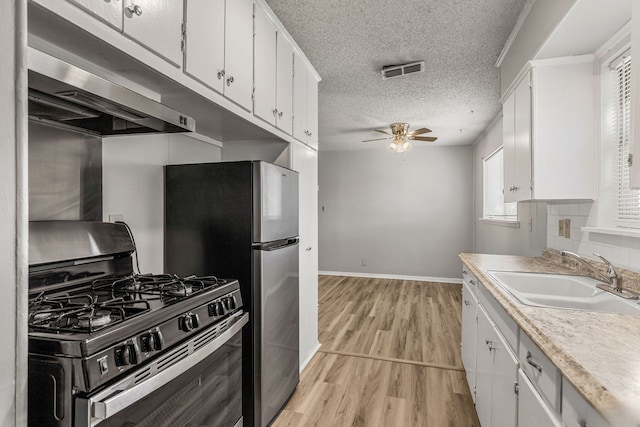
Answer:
(103, 408)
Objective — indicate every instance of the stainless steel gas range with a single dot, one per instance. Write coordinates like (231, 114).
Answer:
(108, 346)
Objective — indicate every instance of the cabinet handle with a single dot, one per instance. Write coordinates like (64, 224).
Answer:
(275, 112)
(134, 9)
(490, 345)
(220, 74)
(532, 363)
(229, 80)
(309, 249)
(515, 188)
(473, 282)
(467, 303)
(280, 114)
(465, 272)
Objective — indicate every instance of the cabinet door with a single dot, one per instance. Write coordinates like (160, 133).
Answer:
(305, 162)
(469, 337)
(204, 57)
(484, 367)
(532, 410)
(300, 94)
(157, 25)
(109, 11)
(504, 399)
(264, 98)
(509, 147)
(238, 49)
(522, 140)
(284, 85)
(312, 110)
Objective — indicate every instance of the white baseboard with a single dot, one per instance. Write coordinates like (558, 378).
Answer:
(393, 276)
(312, 353)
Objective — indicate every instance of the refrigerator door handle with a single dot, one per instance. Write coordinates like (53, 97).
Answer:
(274, 246)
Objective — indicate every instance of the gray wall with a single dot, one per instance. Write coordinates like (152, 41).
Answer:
(500, 239)
(542, 20)
(406, 215)
(13, 214)
(133, 185)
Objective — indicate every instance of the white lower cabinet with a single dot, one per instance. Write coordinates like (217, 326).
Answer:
(576, 412)
(497, 376)
(532, 409)
(509, 390)
(469, 336)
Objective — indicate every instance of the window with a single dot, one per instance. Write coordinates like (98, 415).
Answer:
(494, 206)
(618, 126)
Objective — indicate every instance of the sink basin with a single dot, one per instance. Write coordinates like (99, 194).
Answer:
(562, 291)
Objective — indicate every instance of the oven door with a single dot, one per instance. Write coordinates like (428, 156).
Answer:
(197, 383)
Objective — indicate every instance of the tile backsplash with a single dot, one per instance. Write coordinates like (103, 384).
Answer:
(622, 251)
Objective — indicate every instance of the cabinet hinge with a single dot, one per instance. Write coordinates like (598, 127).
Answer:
(253, 94)
(516, 388)
(630, 159)
(183, 30)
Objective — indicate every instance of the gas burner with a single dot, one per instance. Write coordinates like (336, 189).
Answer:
(94, 319)
(176, 289)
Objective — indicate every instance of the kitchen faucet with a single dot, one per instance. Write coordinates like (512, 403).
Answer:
(612, 277)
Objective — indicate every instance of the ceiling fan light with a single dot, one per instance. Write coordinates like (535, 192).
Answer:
(393, 146)
(407, 146)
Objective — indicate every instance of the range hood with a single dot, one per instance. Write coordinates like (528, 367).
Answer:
(68, 97)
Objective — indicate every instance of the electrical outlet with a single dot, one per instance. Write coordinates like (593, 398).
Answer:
(567, 228)
(116, 217)
(561, 227)
(364, 262)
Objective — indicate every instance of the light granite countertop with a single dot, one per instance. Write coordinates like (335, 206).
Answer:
(599, 353)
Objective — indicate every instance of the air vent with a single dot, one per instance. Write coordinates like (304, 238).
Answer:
(389, 71)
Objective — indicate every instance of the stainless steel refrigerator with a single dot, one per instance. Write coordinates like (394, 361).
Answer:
(240, 220)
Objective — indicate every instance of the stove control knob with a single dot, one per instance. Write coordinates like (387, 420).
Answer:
(157, 341)
(126, 355)
(189, 322)
(221, 308)
(231, 302)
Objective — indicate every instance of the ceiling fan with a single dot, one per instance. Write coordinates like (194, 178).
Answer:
(401, 137)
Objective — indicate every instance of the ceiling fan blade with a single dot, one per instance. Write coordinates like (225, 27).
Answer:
(377, 139)
(419, 131)
(423, 138)
(382, 131)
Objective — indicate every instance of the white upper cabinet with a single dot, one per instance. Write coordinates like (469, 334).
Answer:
(305, 104)
(264, 98)
(516, 124)
(219, 47)
(284, 84)
(548, 131)
(273, 74)
(204, 38)
(238, 48)
(110, 11)
(156, 24)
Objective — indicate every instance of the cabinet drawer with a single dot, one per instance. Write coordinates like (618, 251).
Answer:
(470, 280)
(576, 412)
(502, 320)
(539, 369)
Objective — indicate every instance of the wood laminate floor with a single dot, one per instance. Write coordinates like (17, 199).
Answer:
(390, 357)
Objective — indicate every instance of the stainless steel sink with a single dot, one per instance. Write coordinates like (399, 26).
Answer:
(562, 291)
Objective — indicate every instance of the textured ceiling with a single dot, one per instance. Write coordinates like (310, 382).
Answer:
(349, 41)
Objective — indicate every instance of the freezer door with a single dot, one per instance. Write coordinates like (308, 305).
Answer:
(279, 328)
(275, 204)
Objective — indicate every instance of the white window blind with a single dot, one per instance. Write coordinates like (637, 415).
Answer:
(493, 186)
(620, 122)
